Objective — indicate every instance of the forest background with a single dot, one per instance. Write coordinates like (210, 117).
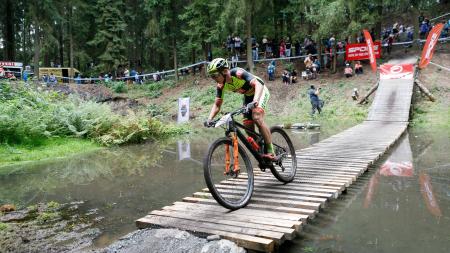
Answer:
(101, 36)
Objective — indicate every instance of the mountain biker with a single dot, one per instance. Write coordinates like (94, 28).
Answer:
(256, 96)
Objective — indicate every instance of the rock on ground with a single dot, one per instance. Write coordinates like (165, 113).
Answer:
(169, 241)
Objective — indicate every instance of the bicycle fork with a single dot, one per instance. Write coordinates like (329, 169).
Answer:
(235, 156)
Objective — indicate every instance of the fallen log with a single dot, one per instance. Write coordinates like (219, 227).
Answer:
(374, 88)
(424, 90)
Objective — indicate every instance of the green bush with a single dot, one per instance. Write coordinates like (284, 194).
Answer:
(119, 87)
(28, 116)
(155, 110)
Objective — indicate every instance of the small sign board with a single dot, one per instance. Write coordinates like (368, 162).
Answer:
(183, 110)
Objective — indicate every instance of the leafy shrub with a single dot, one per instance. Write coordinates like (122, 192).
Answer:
(155, 110)
(119, 87)
(28, 116)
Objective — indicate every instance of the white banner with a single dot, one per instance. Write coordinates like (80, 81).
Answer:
(183, 110)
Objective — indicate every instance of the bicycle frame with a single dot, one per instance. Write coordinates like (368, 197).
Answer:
(233, 127)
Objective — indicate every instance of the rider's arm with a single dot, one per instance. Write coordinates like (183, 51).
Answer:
(217, 104)
(258, 89)
(215, 109)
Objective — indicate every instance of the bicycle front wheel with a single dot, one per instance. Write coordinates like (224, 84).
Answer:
(231, 190)
(285, 168)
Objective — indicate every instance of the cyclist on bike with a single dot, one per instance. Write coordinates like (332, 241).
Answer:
(256, 97)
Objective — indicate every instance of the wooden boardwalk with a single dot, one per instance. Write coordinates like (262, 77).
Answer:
(277, 211)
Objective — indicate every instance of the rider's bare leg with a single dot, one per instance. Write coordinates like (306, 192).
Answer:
(250, 124)
(258, 118)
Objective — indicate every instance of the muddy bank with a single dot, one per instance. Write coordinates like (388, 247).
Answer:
(54, 227)
(50, 227)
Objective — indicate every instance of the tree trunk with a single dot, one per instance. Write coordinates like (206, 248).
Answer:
(175, 63)
(10, 49)
(61, 44)
(378, 23)
(37, 50)
(248, 26)
(70, 37)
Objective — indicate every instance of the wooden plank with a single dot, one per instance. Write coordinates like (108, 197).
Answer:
(243, 240)
(232, 191)
(195, 225)
(289, 233)
(279, 191)
(272, 206)
(281, 202)
(291, 186)
(280, 216)
(240, 217)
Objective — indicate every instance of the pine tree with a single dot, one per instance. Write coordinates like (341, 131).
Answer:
(110, 36)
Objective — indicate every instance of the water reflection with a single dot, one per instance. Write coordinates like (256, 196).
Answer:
(401, 206)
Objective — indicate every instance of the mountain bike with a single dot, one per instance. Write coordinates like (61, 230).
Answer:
(227, 168)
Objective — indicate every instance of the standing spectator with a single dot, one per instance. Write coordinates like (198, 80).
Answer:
(230, 44)
(282, 49)
(137, 80)
(423, 30)
(126, 74)
(314, 99)
(2, 72)
(331, 41)
(25, 76)
(254, 49)
(269, 49)
(297, 48)
(78, 79)
(234, 60)
(286, 77)
(237, 45)
(358, 68)
(265, 41)
(348, 71)
(390, 41)
(288, 47)
(271, 71)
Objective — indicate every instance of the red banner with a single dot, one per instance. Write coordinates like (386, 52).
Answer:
(428, 49)
(359, 51)
(369, 42)
(396, 71)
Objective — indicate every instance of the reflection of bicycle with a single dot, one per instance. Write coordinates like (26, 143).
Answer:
(227, 167)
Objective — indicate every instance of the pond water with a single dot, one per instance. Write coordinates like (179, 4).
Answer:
(404, 206)
(401, 205)
(121, 184)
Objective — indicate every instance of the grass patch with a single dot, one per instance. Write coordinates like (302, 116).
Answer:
(48, 149)
(3, 226)
(428, 114)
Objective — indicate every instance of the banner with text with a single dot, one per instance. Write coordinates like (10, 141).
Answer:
(369, 43)
(359, 51)
(428, 49)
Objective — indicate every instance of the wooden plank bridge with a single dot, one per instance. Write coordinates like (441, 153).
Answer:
(278, 211)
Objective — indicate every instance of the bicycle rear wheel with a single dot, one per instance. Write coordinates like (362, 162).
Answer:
(285, 168)
(230, 190)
